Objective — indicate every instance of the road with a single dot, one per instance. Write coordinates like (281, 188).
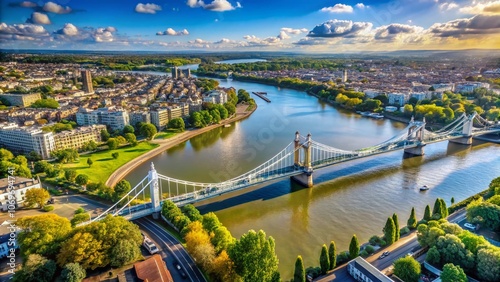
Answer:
(171, 249)
(399, 249)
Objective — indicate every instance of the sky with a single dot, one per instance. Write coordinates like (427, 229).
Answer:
(250, 25)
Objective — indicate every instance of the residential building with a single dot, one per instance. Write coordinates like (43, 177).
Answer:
(27, 139)
(420, 96)
(441, 87)
(153, 269)
(22, 100)
(470, 87)
(363, 271)
(19, 185)
(87, 81)
(398, 99)
(77, 138)
(178, 111)
(159, 118)
(136, 117)
(215, 97)
(115, 119)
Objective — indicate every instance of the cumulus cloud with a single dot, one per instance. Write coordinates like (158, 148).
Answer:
(172, 32)
(103, 34)
(69, 30)
(290, 30)
(340, 28)
(148, 8)
(215, 5)
(87, 34)
(22, 32)
(480, 24)
(338, 8)
(492, 8)
(28, 4)
(38, 18)
(361, 6)
(448, 6)
(52, 7)
(401, 32)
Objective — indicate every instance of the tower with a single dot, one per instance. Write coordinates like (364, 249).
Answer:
(87, 81)
(175, 73)
(344, 76)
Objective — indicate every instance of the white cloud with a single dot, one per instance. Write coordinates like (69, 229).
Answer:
(290, 30)
(104, 34)
(361, 6)
(148, 8)
(448, 6)
(461, 28)
(56, 8)
(341, 28)
(172, 32)
(338, 8)
(399, 32)
(69, 29)
(215, 5)
(23, 32)
(39, 18)
(492, 8)
(283, 35)
(28, 4)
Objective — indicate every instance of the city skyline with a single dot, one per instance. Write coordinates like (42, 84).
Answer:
(226, 25)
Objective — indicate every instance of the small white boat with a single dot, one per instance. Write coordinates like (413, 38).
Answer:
(424, 188)
(227, 125)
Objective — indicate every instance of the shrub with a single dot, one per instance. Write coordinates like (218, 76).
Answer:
(48, 208)
(79, 210)
(364, 253)
(370, 249)
(405, 230)
(383, 243)
(374, 240)
(314, 272)
(342, 257)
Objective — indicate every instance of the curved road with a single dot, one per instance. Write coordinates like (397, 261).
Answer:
(171, 249)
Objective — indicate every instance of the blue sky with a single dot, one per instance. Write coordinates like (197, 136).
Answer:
(246, 25)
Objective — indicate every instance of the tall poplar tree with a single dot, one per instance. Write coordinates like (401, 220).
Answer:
(389, 231)
(412, 221)
(354, 247)
(332, 255)
(300, 273)
(396, 226)
(324, 262)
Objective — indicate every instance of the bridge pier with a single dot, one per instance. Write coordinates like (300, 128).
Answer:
(415, 151)
(305, 179)
(465, 140)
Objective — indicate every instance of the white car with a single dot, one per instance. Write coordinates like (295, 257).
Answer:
(150, 246)
(470, 226)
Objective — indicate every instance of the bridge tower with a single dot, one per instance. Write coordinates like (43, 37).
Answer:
(154, 190)
(296, 155)
(416, 133)
(466, 138)
(305, 179)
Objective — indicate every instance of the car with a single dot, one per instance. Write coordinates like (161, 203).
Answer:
(383, 255)
(179, 268)
(150, 246)
(470, 226)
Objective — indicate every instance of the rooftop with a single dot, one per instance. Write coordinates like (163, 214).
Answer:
(19, 182)
(153, 270)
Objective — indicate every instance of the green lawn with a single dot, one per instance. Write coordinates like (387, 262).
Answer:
(104, 164)
(165, 135)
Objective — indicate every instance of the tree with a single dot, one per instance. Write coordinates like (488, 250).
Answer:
(412, 221)
(82, 179)
(192, 212)
(453, 250)
(128, 129)
(324, 263)
(115, 155)
(177, 123)
(42, 166)
(433, 256)
(210, 222)
(112, 143)
(223, 268)
(124, 252)
(73, 272)
(332, 255)
(452, 273)
(131, 138)
(221, 239)
(45, 103)
(354, 247)
(407, 268)
(299, 274)
(89, 162)
(120, 189)
(70, 175)
(389, 231)
(79, 218)
(42, 234)
(105, 135)
(83, 248)
(396, 226)
(6, 155)
(37, 196)
(427, 213)
(443, 208)
(36, 269)
(66, 155)
(488, 264)
(254, 257)
(436, 211)
(148, 130)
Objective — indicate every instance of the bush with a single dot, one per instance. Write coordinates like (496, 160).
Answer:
(370, 249)
(405, 230)
(383, 243)
(79, 210)
(55, 192)
(364, 253)
(374, 240)
(48, 208)
(343, 257)
(314, 272)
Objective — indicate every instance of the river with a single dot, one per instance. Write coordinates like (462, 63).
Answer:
(349, 198)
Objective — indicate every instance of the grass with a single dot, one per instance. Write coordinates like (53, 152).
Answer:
(104, 164)
(166, 134)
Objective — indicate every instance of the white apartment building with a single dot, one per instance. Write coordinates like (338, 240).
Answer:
(26, 140)
(215, 97)
(398, 99)
(159, 118)
(116, 119)
(76, 139)
(135, 117)
(20, 185)
(470, 86)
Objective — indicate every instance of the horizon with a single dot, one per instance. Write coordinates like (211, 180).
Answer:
(321, 27)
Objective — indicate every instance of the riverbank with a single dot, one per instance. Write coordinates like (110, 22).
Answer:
(121, 172)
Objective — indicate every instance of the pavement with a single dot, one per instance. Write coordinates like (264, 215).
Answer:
(399, 249)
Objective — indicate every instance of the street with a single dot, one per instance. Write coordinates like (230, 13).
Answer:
(171, 249)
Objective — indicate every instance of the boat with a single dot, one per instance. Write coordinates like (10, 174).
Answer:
(227, 125)
(424, 188)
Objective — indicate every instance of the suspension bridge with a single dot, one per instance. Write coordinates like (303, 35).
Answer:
(297, 160)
